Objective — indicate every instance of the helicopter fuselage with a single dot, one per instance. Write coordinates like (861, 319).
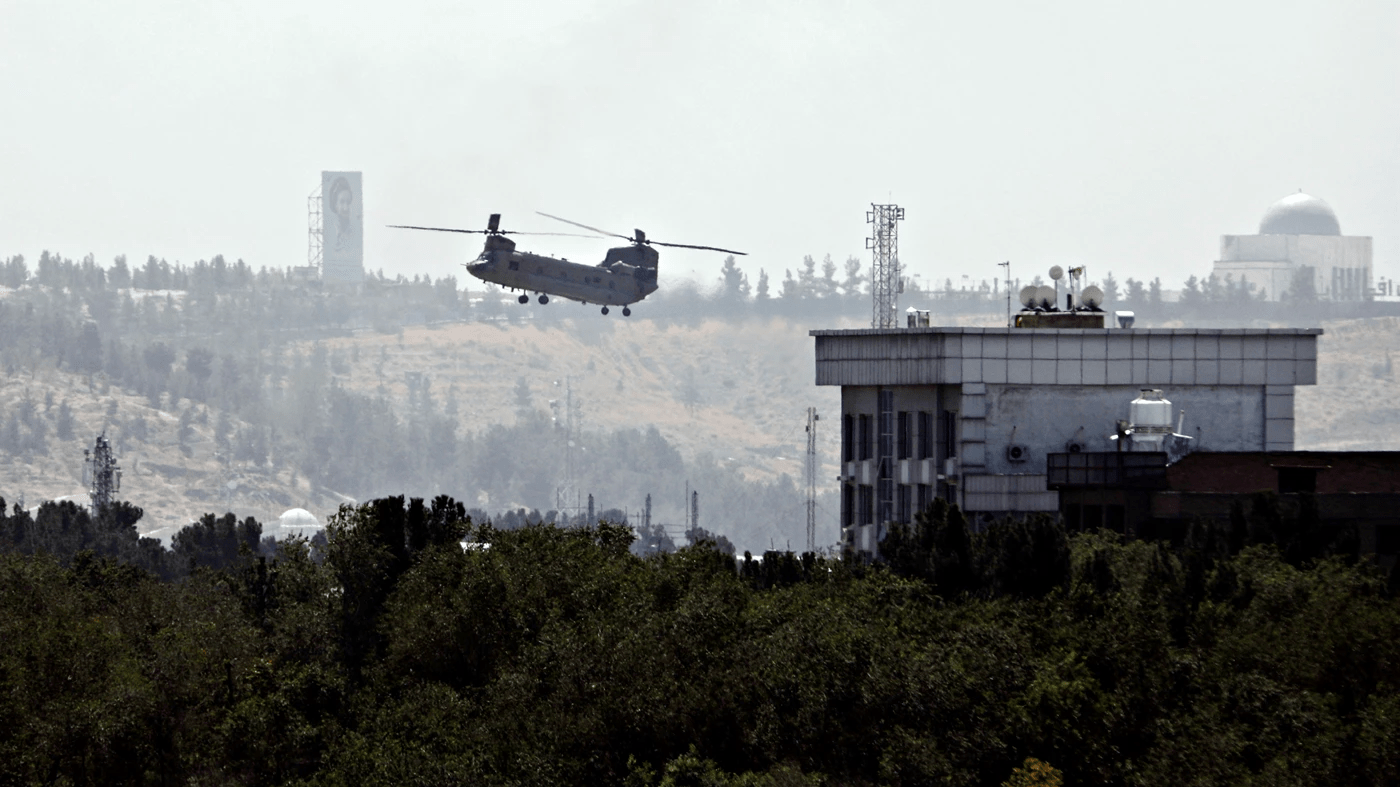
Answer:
(626, 275)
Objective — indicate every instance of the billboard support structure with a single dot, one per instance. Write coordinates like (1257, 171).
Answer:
(314, 233)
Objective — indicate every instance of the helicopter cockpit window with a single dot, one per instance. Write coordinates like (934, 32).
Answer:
(514, 265)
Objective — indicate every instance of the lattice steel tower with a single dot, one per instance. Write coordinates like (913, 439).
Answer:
(566, 496)
(314, 235)
(102, 474)
(884, 266)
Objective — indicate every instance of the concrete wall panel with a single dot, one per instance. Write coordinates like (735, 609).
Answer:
(1220, 418)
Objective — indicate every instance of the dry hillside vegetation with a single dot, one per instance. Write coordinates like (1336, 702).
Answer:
(1352, 407)
(737, 391)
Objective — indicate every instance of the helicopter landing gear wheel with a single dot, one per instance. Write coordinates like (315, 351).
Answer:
(544, 299)
(524, 299)
(626, 312)
(605, 310)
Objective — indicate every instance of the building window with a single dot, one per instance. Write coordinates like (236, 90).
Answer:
(904, 498)
(950, 432)
(848, 505)
(867, 437)
(925, 435)
(925, 496)
(867, 504)
(902, 436)
(848, 448)
(1292, 480)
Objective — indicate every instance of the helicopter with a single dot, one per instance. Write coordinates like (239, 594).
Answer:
(626, 275)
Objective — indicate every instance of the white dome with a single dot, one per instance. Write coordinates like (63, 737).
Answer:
(297, 517)
(1300, 214)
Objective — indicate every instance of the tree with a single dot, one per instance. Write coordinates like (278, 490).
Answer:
(1136, 293)
(63, 424)
(119, 275)
(734, 283)
(791, 289)
(761, 293)
(1110, 289)
(87, 354)
(159, 358)
(1302, 287)
(853, 286)
(1191, 295)
(807, 278)
(827, 286)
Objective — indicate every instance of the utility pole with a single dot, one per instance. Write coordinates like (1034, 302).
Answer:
(811, 468)
(884, 265)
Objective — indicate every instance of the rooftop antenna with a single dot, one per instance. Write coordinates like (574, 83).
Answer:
(884, 265)
(1007, 266)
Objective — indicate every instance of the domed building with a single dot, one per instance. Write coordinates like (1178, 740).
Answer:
(297, 522)
(1300, 246)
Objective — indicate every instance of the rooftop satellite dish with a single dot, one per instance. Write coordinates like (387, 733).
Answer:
(1028, 296)
(1057, 273)
(1092, 297)
(1045, 297)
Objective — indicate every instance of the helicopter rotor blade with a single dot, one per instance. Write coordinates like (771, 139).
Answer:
(491, 232)
(703, 248)
(585, 226)
(438, 229)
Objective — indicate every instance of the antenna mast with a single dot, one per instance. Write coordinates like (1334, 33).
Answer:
(566, 497)
(884, 265)
(1007, 266)
(811, 479)
(104, 475)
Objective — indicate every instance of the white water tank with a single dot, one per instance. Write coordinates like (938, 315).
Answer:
(1150, 412)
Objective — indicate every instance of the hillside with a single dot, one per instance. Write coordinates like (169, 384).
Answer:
(1352, 407)
(736, 391)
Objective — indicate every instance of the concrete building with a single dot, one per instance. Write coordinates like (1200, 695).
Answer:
(1298, 233)
(969, 414)
(1143, 495)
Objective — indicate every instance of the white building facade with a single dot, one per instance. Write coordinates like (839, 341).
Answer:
(1298, 234)
(969, 414)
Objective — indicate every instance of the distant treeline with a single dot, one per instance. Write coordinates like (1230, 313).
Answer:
(557, 656)
(211, 343)
(217, 356)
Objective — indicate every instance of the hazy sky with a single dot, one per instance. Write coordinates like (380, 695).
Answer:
(1126, 136)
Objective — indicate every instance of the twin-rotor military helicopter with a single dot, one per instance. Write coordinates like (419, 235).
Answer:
(626, 275)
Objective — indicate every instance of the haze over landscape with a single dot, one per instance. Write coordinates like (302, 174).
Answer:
(450, 608)
(1124, 137)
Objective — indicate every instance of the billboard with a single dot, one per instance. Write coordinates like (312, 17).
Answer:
(343, 224)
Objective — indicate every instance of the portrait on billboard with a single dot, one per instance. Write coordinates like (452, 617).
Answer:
(342, 202)
(342, 211)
